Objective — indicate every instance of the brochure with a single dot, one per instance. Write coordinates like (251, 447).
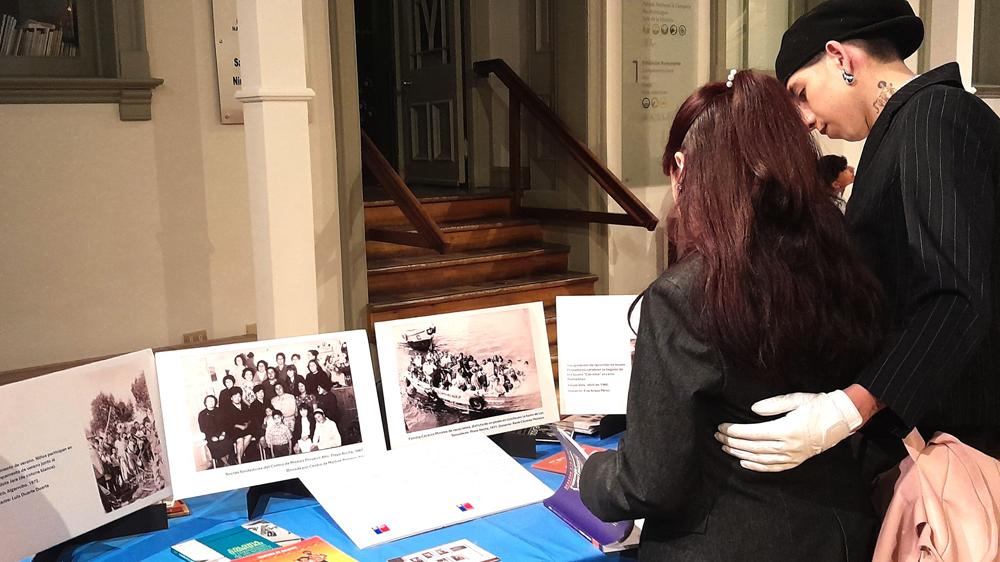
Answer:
(79, 448)
(596, 345)
(250, 538)
(486, 371)
(314, 549)
(567, 504)
(425, 486)
(557, 462)
(458, 551)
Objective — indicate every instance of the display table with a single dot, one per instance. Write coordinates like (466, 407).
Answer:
(527, 533)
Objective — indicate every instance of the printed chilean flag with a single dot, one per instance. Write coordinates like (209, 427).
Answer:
(383, 528)
(465, 506)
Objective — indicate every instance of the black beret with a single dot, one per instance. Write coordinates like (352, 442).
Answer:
(841, 20)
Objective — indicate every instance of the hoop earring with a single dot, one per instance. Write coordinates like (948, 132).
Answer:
(848, 78)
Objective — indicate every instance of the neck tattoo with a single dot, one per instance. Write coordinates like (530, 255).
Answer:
(886, 89)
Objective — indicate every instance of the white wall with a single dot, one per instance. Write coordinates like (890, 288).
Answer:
(636, 256)
(121, 235)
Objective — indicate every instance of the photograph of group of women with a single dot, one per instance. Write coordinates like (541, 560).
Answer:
(272, 402)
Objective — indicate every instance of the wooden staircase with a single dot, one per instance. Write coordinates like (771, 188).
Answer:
(494, 259)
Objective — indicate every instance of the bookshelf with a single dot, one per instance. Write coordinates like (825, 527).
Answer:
(76, 51)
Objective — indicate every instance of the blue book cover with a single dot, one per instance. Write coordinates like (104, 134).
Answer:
(237, 542)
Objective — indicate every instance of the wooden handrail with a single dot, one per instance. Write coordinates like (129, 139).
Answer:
(428, 233)
(521, 95)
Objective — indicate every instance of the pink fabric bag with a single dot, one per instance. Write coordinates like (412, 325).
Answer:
(945, 505)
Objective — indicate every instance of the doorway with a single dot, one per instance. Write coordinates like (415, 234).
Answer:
(411, 91)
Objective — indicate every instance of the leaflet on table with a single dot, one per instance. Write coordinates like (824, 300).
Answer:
(237, 542)
(250, 413)
(486, 371)
(596, 346)
(461, 551)
(79, 448)
(428, 485)
(557, 462)
(314, 549)
(568, 505)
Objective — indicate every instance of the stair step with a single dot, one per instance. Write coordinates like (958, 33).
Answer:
(465, 235)
(520, 290)
(412, 273)
(441, 209)
(550, 327)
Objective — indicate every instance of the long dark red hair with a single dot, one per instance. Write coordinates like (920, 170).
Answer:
(781, 292)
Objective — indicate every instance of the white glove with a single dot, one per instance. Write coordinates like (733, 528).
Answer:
(813, 424)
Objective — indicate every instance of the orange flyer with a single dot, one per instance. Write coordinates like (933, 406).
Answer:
(557, 462)
(309, 550)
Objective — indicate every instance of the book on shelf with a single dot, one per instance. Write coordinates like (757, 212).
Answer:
(32, 38)
(237, 542)
(568, 505)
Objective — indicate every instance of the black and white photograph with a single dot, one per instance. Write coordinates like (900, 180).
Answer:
(125, 448)
(248, 413)
(270, 402)
(461, 367)
(465, 369)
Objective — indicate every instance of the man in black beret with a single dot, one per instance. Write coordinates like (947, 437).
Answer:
(925, 213)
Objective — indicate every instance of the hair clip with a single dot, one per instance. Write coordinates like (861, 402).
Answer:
(730, 78)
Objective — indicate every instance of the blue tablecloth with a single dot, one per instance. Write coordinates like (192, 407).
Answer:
(524, 534)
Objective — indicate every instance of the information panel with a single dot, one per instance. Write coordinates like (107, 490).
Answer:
(659, 70)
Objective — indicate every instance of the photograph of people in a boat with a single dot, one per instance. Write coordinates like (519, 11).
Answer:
(458, 370)
(265, 403)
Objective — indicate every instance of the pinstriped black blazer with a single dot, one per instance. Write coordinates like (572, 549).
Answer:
(925, 211)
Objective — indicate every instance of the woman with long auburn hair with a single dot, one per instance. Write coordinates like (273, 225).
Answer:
(768, 298)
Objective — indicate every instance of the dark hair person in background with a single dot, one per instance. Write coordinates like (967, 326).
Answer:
(836, 173)
(925, 212)
(769, 299)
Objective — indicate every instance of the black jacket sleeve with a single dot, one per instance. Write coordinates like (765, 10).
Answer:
(946, 178)
(656, 469)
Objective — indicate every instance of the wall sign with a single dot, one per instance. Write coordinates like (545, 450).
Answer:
(227, 58)
(659, 70)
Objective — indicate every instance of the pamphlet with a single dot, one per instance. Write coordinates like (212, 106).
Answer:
(458, 551)
(484, 371)
(251, 413)
(596, 345)
(557, 462)
(425, 486)
(314, 549)
(79, 448)
(177, 508)
(250, 538)
(567, 504)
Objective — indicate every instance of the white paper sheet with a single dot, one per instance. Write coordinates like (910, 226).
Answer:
(64, 440)
(189, 376)
(511, 348)
(595, 352)
(426, 486)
